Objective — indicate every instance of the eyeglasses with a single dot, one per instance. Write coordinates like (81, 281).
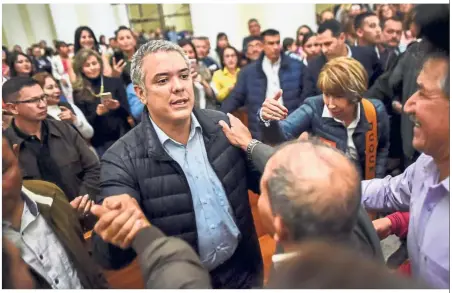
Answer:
(35, 100)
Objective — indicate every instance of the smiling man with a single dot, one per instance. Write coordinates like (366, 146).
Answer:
(188, 180)
(423, 188)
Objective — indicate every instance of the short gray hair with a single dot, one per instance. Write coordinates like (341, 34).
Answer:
(136, 70)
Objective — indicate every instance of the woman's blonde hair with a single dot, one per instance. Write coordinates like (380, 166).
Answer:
(79, 60)
(343, 77)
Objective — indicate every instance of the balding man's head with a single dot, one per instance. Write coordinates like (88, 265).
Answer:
(312, 189)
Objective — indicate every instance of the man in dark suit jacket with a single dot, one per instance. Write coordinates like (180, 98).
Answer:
(264, 78)
(331, 38)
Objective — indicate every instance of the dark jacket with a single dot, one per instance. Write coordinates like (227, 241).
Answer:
(364, 238)
(62, 219)
(251, 89)
(42, 65)
(168, 262)
(399, 84)
(138, 165)
(365, 55)
(110, 127)
(308, 117)
(78, 165)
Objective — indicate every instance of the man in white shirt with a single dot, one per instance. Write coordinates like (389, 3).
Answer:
(272, 72)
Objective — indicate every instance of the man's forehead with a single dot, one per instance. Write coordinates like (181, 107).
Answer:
(371, 19)
(162, 61)
(31, 91)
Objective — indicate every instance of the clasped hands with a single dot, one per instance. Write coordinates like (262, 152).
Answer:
(120, 220)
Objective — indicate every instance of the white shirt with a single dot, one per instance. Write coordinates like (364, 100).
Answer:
(41, 248)
(272, 71)
(351, 148)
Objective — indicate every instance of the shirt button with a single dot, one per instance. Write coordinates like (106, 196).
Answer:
(41, 257)
(23, 234)
(212, 227)
(57, 281)
(204, 202)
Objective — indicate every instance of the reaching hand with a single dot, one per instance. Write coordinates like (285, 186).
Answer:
(272, 109)
(238, 134)
(67, 115)
(383, 227)
(112, 104)
(119, 226)
(82, 204)
(118, 68)
(101, 110)
(120, 219)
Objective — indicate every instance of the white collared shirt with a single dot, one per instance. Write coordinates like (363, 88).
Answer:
(351, 148)
(40, 247)
(272, 73)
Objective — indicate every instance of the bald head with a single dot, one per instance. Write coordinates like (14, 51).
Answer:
(314, 189)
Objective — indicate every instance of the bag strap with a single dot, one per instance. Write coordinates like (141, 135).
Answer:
(371, 140)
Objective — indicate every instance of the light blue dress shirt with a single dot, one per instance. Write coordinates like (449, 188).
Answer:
(218, 235)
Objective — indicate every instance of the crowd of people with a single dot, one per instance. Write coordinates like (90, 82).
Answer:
(345, 140)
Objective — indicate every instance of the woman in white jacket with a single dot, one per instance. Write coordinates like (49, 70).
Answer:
(63, 111)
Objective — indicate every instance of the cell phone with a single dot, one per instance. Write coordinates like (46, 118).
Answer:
(118, 55)
(105, 97)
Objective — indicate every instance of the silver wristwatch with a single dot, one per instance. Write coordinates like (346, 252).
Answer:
(250, 147)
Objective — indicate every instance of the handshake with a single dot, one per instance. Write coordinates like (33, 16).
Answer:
(120, 220)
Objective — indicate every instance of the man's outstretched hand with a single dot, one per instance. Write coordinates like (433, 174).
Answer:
(120, 220)
(238, 134)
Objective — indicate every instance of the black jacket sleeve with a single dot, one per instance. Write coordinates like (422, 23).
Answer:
(168, 262)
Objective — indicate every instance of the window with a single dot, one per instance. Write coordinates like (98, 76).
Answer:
(147, 17)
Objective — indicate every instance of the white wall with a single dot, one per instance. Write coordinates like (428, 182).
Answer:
(65, 20)
(206, 21)
(13, 27)
(121, 16)
(41, 25)
(101, 18)
(209, 19)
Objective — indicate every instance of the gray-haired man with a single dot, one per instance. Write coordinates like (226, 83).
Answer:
(188, 179)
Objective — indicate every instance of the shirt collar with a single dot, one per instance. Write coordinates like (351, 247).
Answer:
(349, 55)
(327, 114)
(267, 62)
(431, 168)
(226, 71)
(29, 205)
(163, 137)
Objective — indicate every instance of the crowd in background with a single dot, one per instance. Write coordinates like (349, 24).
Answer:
(86, 116)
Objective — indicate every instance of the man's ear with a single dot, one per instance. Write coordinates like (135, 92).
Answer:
(359, 32)
(141, 94)
(12, 108)
(281, 232)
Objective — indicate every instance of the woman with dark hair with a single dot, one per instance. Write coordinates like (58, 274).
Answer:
(310, 47)
(85, 38)
(290, 48)
(301, 31)
(102, 100)
(204, 94)
(122, 58)
(62, 111)
(222, 42)
(20, 65)
(224, 80)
